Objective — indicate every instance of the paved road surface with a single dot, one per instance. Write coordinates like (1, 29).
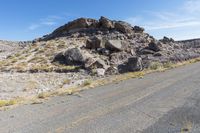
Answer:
(167, 102)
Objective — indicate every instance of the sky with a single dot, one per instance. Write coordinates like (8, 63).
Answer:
(29, 19)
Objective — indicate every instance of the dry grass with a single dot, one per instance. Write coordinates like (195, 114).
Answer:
(7, 102)
(37, 59)
(89, 84)
(86, 83)
(155, 66)
(43, 95)
(31, 85)
(66, 81)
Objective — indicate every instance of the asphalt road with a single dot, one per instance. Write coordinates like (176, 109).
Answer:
(167, 102)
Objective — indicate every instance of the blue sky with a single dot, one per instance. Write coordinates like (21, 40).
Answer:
(29, 19)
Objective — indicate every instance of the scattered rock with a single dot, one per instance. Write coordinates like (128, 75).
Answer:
(94, 43)
(135, 64)
(70, 57)
(119, 58)
(155, 46)
(100, 72)
(112, 70)
(95, 63)
(114, 45)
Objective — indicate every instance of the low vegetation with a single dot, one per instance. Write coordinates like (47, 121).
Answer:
(7, 102)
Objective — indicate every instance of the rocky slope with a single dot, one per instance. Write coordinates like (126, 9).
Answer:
(97, 46)
(8, 47)
(91, 48)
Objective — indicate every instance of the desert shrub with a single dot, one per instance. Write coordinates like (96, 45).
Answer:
(87, 82)
(168, 64)
(155, 66)
(7, 102)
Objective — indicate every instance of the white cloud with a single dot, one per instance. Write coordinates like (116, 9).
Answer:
(173, 23)
(48, 21)
(192, 6)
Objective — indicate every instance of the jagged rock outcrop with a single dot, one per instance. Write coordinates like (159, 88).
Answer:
(106, 23)
(117, 44)
(86, 26)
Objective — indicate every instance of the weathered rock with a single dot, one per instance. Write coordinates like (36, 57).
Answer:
(123, 27)
(119, 58)
(158, 54)
(146, 51)
(112, 70)
(76, 24)
(155, 46)
(95, 63)
(114, 45)
(94, 43)
(135, 64)
(70, 57)
(138, 29)
(106, 23)
(103, 51)
(60, 58)
(100, 72)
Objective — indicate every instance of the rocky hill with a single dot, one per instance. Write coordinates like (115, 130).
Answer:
(84, 49)
(97, 46)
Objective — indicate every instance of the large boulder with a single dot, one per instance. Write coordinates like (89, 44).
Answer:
(155, 46)
(94, 43)
(92, 63)
(138, 29)
(119, 58)
(123, 27)
(70, 57)
(114, 45)
(106, 23)
(134, 64)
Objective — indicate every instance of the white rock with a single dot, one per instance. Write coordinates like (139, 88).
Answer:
(100, 72)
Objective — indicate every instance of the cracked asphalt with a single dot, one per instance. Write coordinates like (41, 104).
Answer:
(165, 102)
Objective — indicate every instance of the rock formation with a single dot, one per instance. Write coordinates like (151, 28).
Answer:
(105, 46)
